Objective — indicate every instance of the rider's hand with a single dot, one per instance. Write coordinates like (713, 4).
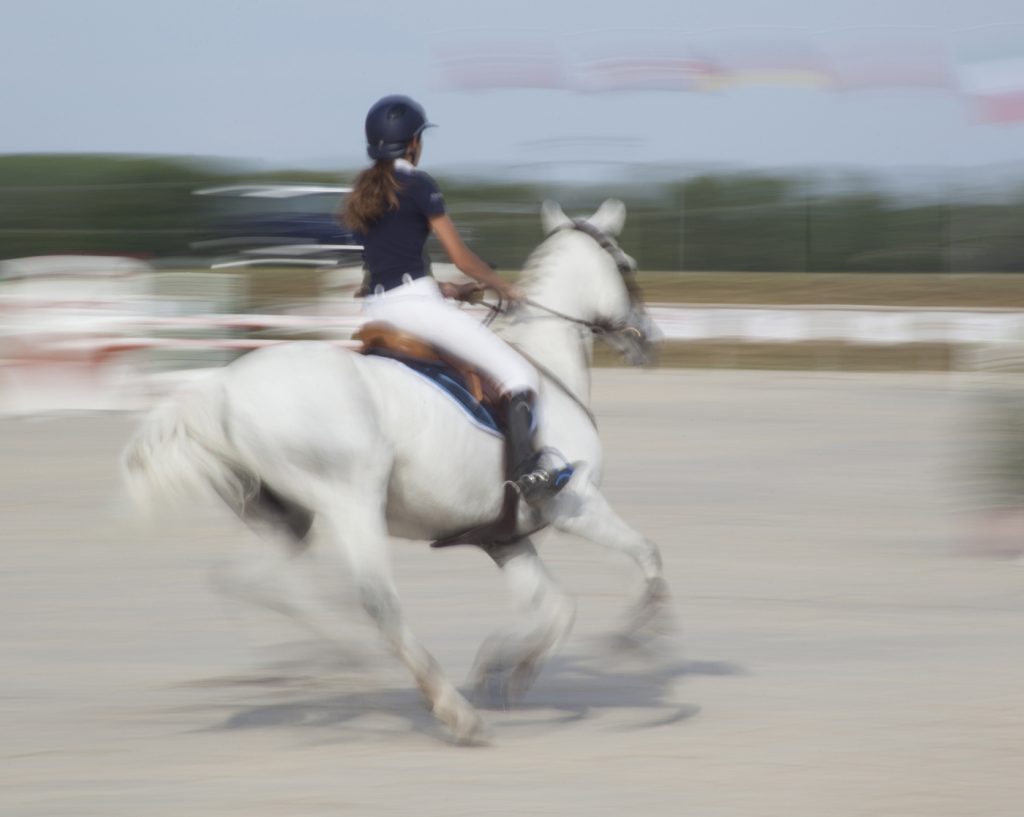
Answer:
(510, 292)
(471, 292)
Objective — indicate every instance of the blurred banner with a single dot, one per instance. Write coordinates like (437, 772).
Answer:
(984, 66)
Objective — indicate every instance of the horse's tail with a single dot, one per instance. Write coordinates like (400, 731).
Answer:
(181, 452)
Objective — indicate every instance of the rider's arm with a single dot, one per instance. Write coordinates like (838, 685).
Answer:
(468, 261)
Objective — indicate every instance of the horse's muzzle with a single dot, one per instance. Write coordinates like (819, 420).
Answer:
(635, 339)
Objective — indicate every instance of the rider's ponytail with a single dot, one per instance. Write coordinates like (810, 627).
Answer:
(375, 192)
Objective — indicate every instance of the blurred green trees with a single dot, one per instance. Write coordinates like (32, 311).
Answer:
(723, 221)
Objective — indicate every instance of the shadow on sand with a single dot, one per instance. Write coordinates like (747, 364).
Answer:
(572, 688)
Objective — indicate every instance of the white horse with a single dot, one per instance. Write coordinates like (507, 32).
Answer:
(305, 431)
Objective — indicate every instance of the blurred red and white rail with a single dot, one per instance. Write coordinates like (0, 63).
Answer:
(59, 355)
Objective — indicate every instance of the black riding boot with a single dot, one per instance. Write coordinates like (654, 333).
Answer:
(522, 459)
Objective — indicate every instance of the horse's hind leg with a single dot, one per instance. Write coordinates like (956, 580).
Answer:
(359, 531)
(273, 509)
(587, 514)
(276, 581)
(509, 660)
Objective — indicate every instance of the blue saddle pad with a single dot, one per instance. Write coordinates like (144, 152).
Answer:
(448, 379)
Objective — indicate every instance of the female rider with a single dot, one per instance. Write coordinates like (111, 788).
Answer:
(392, 209)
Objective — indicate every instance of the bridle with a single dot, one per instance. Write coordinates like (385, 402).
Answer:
(627, 269)
(623, 263)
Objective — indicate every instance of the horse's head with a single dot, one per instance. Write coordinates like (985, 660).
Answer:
(607, 293)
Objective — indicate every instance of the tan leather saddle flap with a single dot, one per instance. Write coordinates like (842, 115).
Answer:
(381, 335)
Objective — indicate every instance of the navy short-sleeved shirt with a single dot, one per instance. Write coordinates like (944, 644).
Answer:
(393, 246)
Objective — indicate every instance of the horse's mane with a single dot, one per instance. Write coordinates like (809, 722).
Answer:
(539, 260)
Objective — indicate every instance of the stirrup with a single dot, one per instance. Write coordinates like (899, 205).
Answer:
(542, 483)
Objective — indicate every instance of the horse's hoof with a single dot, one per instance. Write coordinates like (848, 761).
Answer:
(463, 721)
(490, 687)
(470, 730)
(500, 686)
(520, 680)
(650, 619)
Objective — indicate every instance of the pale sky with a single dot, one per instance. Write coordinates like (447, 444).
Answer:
(288, 83)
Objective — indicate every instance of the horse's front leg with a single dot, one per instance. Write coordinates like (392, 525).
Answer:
(586, 513)
(509, 660)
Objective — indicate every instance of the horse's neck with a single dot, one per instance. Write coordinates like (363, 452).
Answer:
(561, 347)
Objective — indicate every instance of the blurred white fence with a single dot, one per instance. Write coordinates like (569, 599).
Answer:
(849, 324)
(126, 338)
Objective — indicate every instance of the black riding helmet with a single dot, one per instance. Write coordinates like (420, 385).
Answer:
(392, 123)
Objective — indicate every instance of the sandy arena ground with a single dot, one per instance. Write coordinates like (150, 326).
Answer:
(837, 654)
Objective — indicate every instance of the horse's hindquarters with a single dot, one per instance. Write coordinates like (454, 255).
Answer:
(303, 420)
(322, 424)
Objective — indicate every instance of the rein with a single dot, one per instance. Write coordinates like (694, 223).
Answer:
(498, 308)
(623, 263)
(557, 381)
(593, 326)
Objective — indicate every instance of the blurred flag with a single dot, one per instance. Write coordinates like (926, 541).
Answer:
(645, 72)
(990, 70)
(766, 59)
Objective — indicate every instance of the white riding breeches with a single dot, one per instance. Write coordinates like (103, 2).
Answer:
(419, 308)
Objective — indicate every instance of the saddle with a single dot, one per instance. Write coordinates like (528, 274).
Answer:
(380, 338)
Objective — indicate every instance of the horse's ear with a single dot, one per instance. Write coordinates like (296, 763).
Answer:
(609, 217)
(552, 217)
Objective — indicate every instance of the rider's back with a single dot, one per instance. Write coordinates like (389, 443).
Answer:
(394, 243)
